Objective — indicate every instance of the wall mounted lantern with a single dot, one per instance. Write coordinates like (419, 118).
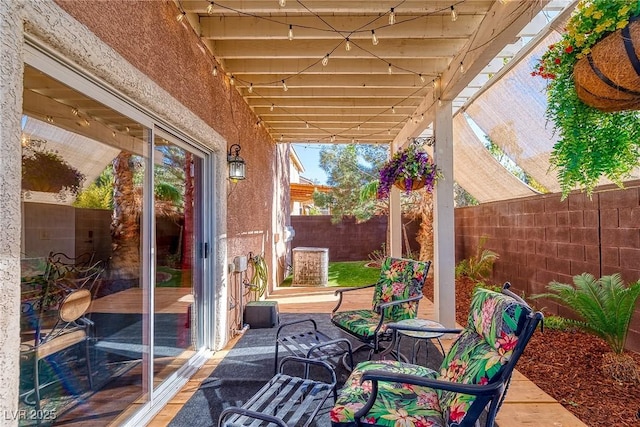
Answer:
(236, 163)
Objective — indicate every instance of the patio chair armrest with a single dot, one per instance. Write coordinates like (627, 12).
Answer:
(399, 327)
(381, 375)
(473, 389)
(384, 305)
(295, 322)
(341, 291)
(251, 414)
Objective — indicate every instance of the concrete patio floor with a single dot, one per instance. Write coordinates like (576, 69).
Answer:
(525, 405)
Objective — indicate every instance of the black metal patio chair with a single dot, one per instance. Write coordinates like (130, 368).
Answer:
(473, 376)
(396, 297)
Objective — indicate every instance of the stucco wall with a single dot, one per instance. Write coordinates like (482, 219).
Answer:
(11, 70)
(542, 239)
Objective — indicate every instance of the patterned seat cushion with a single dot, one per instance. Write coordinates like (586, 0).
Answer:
(397, 404)
(362, 323)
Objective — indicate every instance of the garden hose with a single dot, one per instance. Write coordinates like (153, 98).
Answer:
(258, 281)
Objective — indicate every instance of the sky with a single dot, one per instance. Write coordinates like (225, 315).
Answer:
(309, 155)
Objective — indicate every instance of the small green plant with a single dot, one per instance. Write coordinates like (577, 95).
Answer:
(479, 266)
(556, 323)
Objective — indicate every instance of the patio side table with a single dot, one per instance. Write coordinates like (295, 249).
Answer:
(420, 337)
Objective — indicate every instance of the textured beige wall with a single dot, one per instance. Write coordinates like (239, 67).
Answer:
(11, 70)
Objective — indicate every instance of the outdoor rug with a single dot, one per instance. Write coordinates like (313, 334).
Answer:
(250, 364)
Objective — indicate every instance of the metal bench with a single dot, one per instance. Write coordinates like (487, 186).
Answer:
(286, 400)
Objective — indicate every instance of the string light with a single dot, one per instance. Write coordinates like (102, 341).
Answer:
(333, 138)
(390, 69)
(210, 8)
(439, 102)
(393, 109)
(181, 16)
(422, 117)
(74, 111)
(271, 108)
(281, 138)
(347, 45)
(232, 80)
(250, 87)
(374, 38)
(215, 71)
(290, 32)
(454, 15)
(358, 128)
(307, 124)
(325, 60)
(422, 79)
(462, 69)
(392, 17)
(282, 3)
(284, 86)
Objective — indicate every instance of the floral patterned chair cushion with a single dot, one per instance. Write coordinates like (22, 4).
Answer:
(476, 357)
(400, 279)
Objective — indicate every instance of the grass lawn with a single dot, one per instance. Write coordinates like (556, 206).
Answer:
(347, 274)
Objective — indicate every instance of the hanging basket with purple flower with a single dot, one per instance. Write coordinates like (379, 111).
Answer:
(409, 169)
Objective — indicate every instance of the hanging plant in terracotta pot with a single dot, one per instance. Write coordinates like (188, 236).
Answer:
(591, 104)
(409, 170)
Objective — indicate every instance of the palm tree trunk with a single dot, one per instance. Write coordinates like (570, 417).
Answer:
(125, 225)
(425, 234)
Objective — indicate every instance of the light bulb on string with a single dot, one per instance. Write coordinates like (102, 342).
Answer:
(325, 60)
(232, 80)
(358, 128)
(347, 45)
(374, 38)
(210, 8)
(462, 69)
(282, 3)
(250, 87)
(439, 102)
(284, 86)
(307, 124)
(392, 17)
(290, 32)
(393, 109)
(390, 69)
(181, 16)
(271, 108)
(215, 70)
(422, 79)
(281, 138)
(454, 14)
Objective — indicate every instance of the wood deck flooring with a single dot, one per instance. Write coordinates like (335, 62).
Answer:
(526, 404)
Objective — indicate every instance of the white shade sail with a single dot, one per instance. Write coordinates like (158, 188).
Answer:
(512, 113)
(477, 171)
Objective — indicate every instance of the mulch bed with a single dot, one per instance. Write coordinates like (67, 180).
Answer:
(567, 366)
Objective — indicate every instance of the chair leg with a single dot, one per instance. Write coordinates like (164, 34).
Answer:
(88, 357)
(36, 381)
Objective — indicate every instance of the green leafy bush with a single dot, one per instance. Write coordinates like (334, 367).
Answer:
(479, 266)
(604, 305)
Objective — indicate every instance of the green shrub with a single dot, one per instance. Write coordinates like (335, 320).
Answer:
(605, 305)
(556, 323)
(479, 266)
